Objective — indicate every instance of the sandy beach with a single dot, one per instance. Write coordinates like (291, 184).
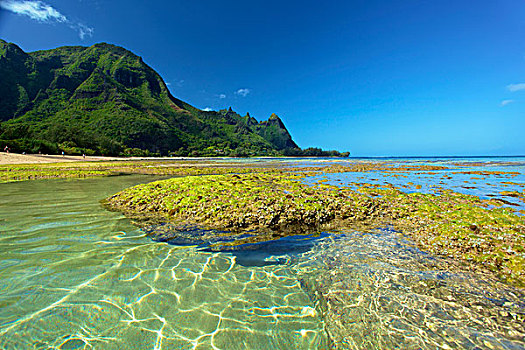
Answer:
(16, 158)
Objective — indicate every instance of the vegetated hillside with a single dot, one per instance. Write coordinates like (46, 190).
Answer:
(104, 99)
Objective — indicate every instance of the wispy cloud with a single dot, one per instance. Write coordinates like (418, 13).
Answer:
(516, 87)
(242, 92)
(506, 102)
(207, 109)
(44, 13)
(222, 96)
(82, 29)
(36, 10)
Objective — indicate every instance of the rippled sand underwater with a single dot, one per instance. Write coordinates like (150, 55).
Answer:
(162, 297)
(75, 276)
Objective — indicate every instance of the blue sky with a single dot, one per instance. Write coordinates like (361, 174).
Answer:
(377, 78)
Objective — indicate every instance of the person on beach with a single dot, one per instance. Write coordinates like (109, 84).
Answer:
(6, 149)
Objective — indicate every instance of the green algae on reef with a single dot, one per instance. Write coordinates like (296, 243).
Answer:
(238, 201)
(25, 172)
(463, 227)
(446, 223)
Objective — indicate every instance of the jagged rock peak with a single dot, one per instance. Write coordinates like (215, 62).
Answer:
(275, 120)
(250, 121)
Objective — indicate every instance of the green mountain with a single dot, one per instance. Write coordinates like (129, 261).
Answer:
(104, 99)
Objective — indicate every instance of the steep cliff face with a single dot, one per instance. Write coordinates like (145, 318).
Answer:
(275, 132)
(272, 130)
(106, 99)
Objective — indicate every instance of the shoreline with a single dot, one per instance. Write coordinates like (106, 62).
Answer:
(17, 158)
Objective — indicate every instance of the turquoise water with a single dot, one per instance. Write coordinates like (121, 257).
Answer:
(495, 177)
(75, 276)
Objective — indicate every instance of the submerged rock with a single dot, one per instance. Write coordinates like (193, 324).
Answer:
(376, 290)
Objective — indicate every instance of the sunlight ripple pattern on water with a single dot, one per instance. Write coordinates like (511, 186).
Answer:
(378, 291)
(75, 276)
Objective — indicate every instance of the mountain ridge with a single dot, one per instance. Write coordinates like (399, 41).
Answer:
(103, 99)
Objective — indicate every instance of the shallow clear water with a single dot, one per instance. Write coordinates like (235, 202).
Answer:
(458, 178)
(75, 276)
(378, 291)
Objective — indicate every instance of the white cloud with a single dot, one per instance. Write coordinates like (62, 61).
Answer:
(506, 102)
(207, 109)
(83, 30)
(242, 92)
(36, 10)
(516, 87)
(222, 96)
(42, 12)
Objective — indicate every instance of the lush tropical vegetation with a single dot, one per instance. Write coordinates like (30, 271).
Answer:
(105, 100)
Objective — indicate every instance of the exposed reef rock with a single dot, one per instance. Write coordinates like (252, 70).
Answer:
(280, 202)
